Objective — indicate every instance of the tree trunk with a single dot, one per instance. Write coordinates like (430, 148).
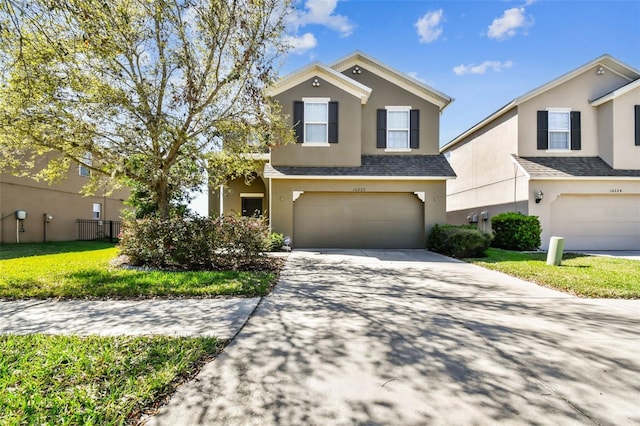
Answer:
(162, 194)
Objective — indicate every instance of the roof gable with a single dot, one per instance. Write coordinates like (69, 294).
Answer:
(607, 62)
(333, 77)
(396, 77)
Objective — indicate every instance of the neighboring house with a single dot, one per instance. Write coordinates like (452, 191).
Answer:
(365, 171)
(53, 211)
(567, 152)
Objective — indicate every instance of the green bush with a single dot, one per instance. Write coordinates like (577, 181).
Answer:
(277, 241)
(515, 231)
(195, 243)
(458, 241)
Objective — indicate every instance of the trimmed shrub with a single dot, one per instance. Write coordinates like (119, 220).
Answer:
(277, 241)
(515, 231)
(458, 241)
(195, 243)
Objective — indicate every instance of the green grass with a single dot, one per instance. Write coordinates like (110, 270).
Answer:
(92, 380)
(586, 276)
(82, 270)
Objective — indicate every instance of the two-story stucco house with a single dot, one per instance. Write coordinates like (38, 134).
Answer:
(567, 152)
(365, 170)
(53, 212)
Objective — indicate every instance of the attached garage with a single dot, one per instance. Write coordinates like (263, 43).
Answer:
(358, 220)
(597, 222)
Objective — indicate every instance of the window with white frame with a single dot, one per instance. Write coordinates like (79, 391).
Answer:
(97, 211)
(84, 170)
(559, 130)
(398, 127)
(316, 120)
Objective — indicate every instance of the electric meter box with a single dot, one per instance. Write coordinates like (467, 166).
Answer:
(21, 214)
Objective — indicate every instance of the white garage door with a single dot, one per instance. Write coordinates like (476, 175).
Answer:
(358, 220)
(597, 222)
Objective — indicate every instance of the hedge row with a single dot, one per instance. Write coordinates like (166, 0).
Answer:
(195, 243)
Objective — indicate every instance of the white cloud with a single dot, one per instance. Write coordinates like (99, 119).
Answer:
(508, 24)
(321, 12)
(300, 44)
(496, 66)
(429, 28)
(415, 75)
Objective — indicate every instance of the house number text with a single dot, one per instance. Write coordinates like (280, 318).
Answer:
(359, 190)
(615, 190)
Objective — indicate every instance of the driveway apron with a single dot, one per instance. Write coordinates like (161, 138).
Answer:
(409, 337)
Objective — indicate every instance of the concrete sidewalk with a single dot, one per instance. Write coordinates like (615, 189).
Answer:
(221, 318)
(408, 337)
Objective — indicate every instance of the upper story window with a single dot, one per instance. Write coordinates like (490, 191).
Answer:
(315, 121)
(398, 128)
(559, 130)
(84, 170)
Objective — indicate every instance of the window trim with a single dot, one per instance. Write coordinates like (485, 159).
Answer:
(568, 131)
(83, 170)
(407, 110)
(94, 211)
(325, 102)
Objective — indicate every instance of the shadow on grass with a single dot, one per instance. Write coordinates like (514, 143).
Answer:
(13, 251)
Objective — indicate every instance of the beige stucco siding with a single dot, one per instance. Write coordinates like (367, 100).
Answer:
(575, 94)
(282, 218)
(626, 155)
(591, 214)
(62, 201)
(605, 132)
(344, 153)
(486, 174)
(385, 94)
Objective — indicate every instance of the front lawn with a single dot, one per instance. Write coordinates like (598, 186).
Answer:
(93, 380)
(587, 276)
(82, 270)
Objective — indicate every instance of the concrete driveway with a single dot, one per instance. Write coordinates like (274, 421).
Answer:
(411, 338)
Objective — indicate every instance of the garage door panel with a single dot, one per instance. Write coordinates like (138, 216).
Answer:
(353, 220)
(597, 222)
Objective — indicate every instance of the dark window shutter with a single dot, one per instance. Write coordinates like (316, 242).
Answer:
(333, 122)
(637, 108)
(414, 126)
(298, 120)
(381, 141)
(576, 138)
(543, 130)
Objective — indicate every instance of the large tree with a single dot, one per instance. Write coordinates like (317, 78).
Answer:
(140, 91)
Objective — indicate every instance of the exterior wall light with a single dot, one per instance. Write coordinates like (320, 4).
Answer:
(315, 82)
(600, 70)
(539, 196)
(356, 70)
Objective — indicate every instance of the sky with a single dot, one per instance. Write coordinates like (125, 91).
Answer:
(481, 53)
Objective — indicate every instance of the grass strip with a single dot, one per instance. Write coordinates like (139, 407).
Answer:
(93, 380)
(581, 275)
(82, 270)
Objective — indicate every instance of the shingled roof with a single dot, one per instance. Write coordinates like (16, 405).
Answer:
(563, 167)
(396, 166)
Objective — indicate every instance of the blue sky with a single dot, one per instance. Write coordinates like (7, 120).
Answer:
(481, 53)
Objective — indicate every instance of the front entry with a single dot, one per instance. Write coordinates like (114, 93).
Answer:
(252, 207)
